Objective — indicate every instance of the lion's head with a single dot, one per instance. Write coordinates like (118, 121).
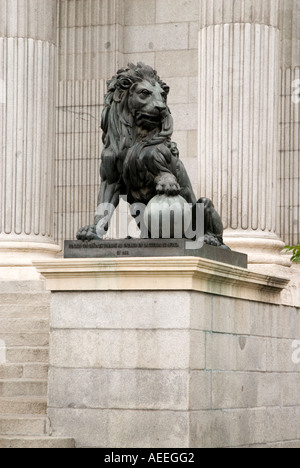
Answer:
(147, 103)
(136, 97)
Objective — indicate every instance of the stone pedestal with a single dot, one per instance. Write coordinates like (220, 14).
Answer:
(27, 131)
(239, 53)
(170, 352)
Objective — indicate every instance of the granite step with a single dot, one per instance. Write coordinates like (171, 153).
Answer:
(35, 370)
(18, 287)
(38, 371)
(24, 310)
(11, 371)
(20, 355)
(36, 442)
(32, 299)
(21, 388)
(25, 339)
(23, 405)
(27, 425)
(24, 324)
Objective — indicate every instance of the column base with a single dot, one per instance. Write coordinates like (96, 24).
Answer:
(16, 259)
(261, 249)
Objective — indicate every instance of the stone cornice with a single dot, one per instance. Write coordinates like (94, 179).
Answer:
(164, 273)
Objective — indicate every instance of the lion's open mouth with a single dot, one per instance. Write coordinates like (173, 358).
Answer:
(148, 119)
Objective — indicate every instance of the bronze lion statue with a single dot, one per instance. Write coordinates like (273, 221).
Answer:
(139, 158)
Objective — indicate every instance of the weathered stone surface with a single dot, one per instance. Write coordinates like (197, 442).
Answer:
(233, 428)
(119, 389)
(122, 310)
(133, 349)
(22, 425)
(40, 442)
(14, 388)
(122, 429)
(23, 405)
(239, 353)
(238, 389)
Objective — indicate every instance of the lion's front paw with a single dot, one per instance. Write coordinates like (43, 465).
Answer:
(87, 233)
(167, 184)
(211, 239)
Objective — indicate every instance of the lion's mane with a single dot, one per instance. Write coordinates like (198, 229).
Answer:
(119, 139)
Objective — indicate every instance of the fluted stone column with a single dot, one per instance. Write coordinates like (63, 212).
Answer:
(27, 129)
(238, 118)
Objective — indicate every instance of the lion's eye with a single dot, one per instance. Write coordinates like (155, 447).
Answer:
(145, 93)
(164, 96)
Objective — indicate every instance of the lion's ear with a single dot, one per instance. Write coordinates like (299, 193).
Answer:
(166, 88)
(125, 82)
(118, 95)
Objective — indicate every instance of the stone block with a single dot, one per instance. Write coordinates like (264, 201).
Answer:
(23, 310)
(246, 389)
(220, 429)
(271, 388)
(36, 442)
(119, 389)
(280, 356)
(234, 390)
(238, 353)
(200, 390)
(290, 387)
(147, 349)
(121, 429)
(194, 35)
(197, 350)
(35, 371)
(177, 63)
(33, 299)
(179, 89)
(15, 388)
(27, 354)
(11, 371)
(231, 316)
(192, 165)
(170, 11)
(180, 137)
(156, 38)
(201, 311)
(25, 339)
(185, 116)
(22, 425)
(120, 310)
(146, 57)
(23, 405)
(137, 12)
(234, 428)
(254, 318)
(192, 137)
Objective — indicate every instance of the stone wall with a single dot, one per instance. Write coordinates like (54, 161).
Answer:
(177, 369)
